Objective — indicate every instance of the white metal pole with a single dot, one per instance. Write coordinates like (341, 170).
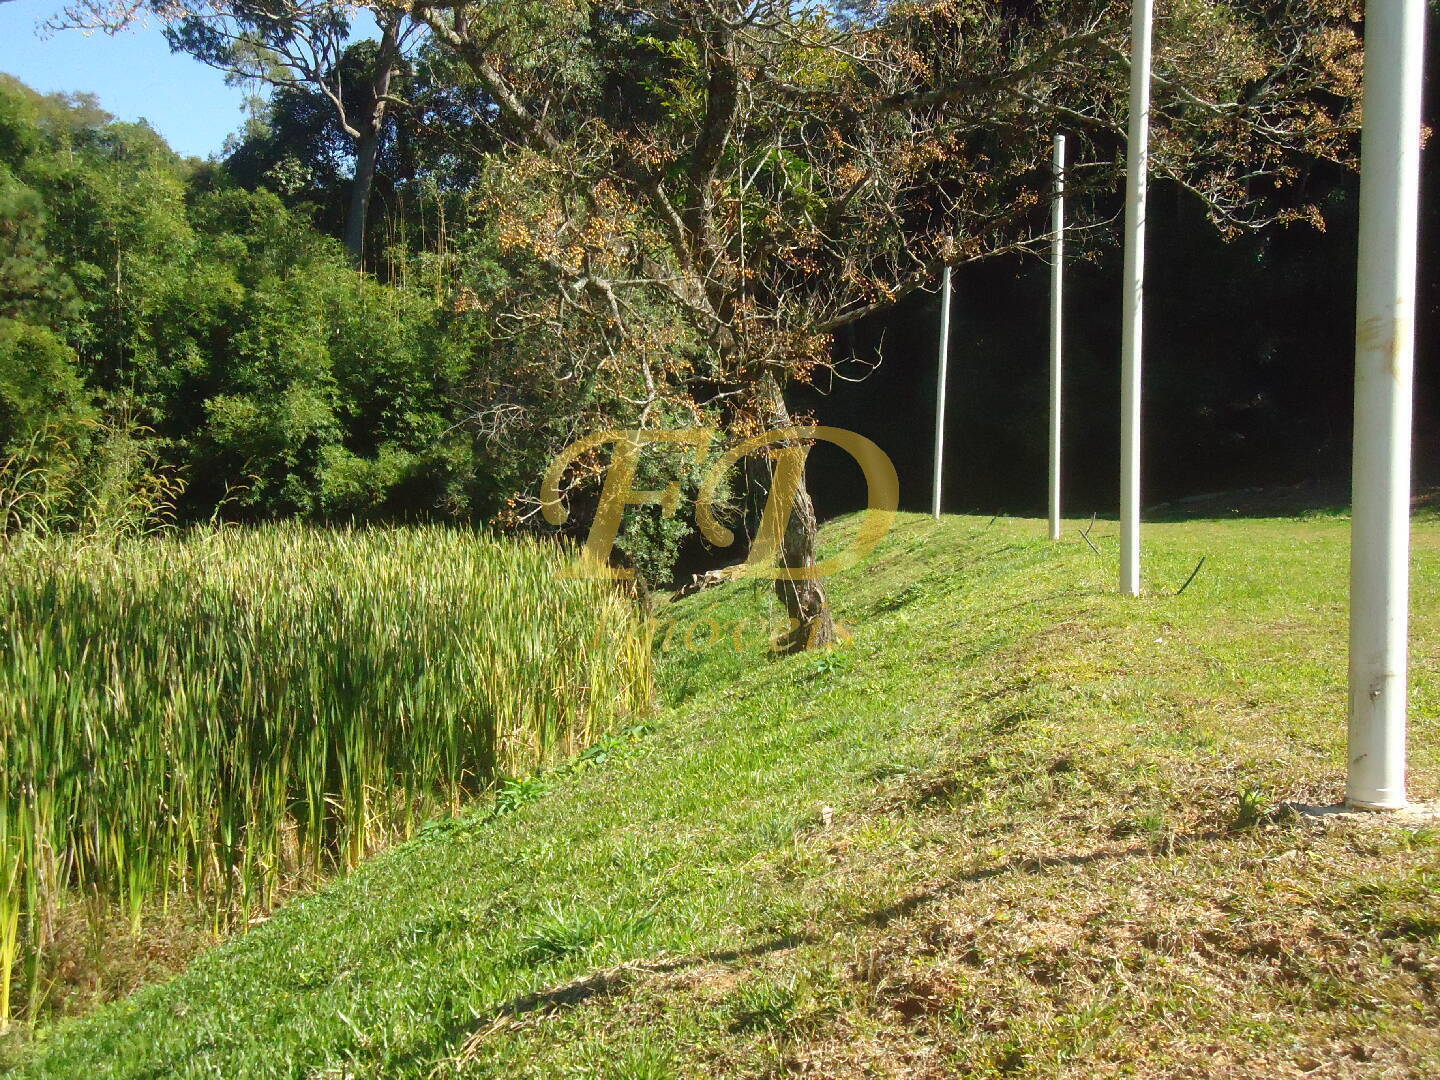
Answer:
(1137, 168)
(1384, 360)
(1057, 285)
(940, 391)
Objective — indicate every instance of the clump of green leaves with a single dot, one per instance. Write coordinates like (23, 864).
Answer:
(1253, 806)
(285, 382)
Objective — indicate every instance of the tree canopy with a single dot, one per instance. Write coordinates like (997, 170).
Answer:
(601, 214)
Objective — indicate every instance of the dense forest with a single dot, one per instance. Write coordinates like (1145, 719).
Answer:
(160, 301)
(186, 336)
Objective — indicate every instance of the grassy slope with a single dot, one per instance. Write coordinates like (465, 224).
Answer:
(1031, 865)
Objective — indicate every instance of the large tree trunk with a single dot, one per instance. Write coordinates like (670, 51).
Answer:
(367, 144)
(365, 154)
(811, 625)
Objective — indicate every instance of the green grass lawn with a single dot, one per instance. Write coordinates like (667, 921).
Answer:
(1018, 826)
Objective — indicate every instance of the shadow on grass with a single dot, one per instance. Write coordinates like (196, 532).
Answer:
(1303, 500)
(602, 984)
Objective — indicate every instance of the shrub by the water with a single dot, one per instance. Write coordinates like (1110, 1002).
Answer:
(215, 717)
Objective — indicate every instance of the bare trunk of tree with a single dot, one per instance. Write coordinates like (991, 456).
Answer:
(811, 625)
(367, 144)
(365, 154)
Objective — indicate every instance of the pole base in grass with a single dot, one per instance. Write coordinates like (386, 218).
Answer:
(1408, 816)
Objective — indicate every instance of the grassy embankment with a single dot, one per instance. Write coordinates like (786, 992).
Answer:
(1020, 826)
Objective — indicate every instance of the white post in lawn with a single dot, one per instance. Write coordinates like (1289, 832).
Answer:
(940, 392)
(1384, 359)
(1057, 284)
(1137, 168)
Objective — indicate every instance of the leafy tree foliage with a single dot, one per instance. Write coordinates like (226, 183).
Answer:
(765, 174)
(290, 44)
(613, 213)
(281, 380)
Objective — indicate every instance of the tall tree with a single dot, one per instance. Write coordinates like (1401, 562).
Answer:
(774, 171)
(286, 43)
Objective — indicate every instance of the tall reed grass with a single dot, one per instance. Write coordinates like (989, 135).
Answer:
(214, 717)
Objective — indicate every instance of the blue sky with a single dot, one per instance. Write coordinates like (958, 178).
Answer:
(133, 74)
